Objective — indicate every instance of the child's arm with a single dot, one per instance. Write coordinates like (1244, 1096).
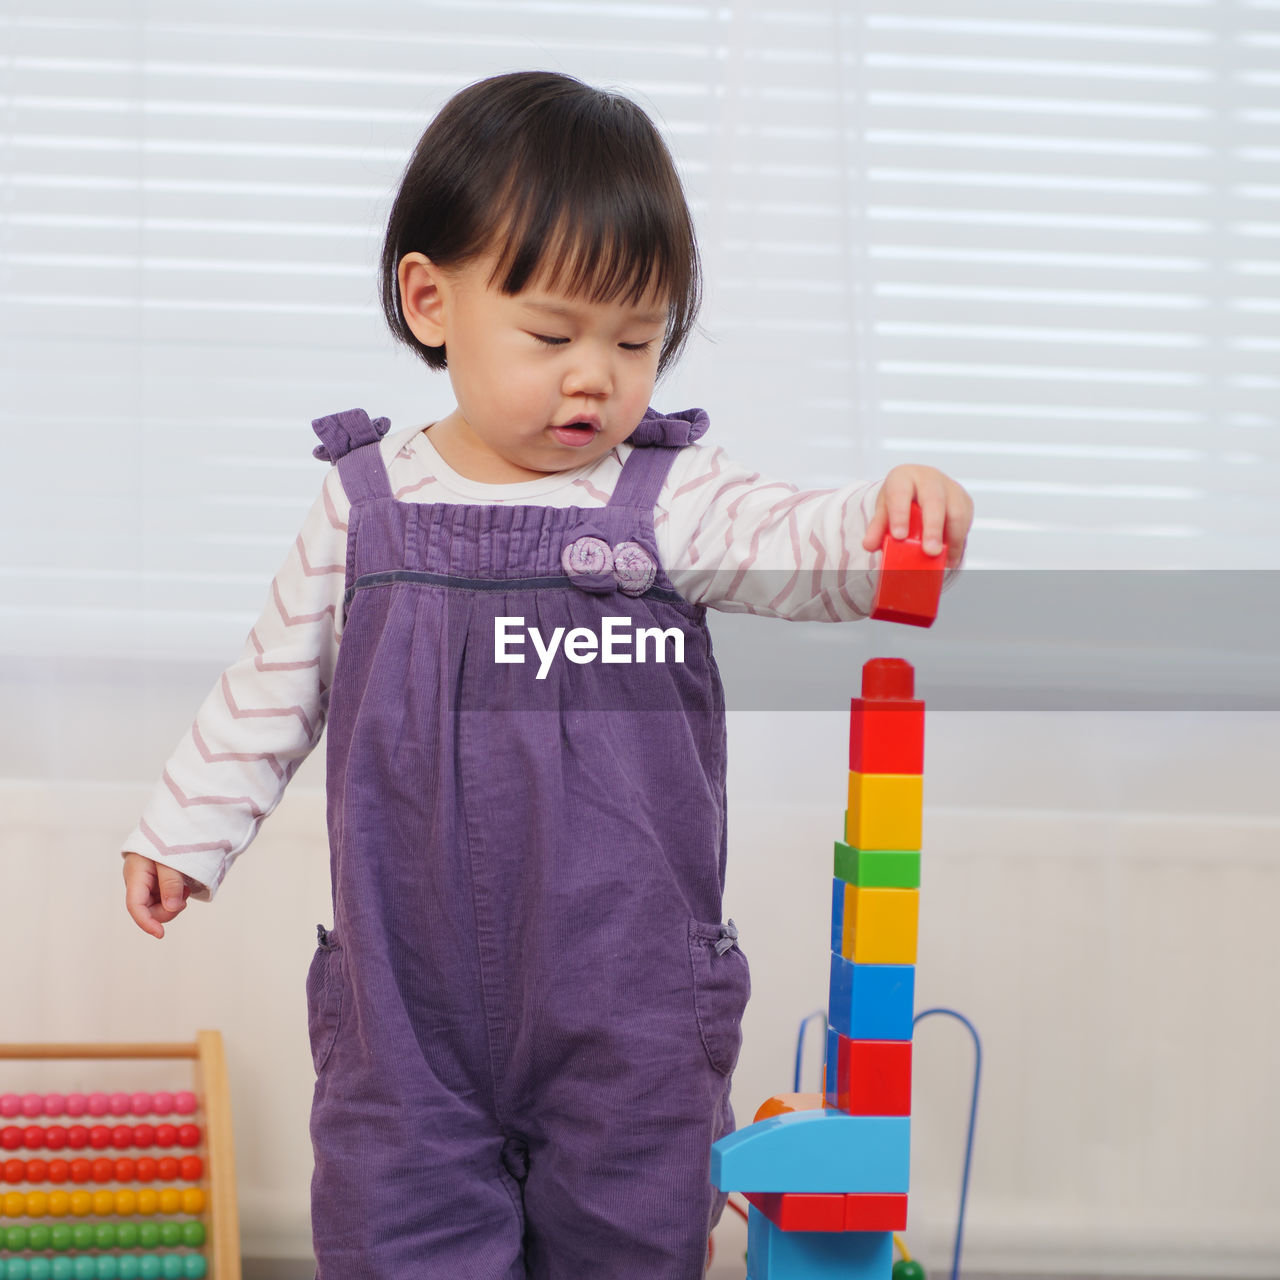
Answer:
(737, 542)
(259, 722)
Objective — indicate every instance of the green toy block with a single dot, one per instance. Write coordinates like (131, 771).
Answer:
(878, 868)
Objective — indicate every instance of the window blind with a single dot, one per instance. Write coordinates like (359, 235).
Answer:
(1031, 244)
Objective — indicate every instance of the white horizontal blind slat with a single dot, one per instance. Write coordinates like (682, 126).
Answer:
(1033, 245)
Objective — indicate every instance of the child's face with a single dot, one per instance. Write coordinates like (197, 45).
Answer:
(545, 381)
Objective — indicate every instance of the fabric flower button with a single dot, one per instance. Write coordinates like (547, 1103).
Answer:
(634, 568)
(589, 563)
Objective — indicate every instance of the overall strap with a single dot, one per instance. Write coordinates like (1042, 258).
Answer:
(656, 438)
(350, 440)
(642, 478)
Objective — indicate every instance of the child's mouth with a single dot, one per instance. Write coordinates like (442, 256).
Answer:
(575, 434)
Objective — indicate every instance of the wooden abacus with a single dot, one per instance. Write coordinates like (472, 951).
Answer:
(210, 1200)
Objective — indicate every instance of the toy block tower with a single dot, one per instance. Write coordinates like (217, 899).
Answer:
(826, 1176)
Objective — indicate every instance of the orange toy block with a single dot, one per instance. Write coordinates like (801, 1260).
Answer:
(782, 1103)
(807, 1211)
(885, 810)
(881, 926)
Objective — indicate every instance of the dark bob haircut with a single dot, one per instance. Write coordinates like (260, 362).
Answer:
(572, 186)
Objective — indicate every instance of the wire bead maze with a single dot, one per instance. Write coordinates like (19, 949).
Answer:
(120, 1185)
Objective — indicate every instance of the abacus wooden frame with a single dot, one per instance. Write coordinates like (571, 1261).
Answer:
(211, 1088)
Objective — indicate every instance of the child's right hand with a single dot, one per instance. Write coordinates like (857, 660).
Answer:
(153, 893)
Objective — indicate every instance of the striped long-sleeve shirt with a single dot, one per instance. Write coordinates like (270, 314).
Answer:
(726, 537)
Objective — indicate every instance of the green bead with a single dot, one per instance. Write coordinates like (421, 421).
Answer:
(126, 1236)
(40, 1269)
(194, 1266)
(82, 1238)
(38, 1236)
(62, 1269)
(904, 1270)
(171, 1234)
(85, 1267)
(15, 1238)
(171, 1266)
(108, 1268)
(193, 1234)
(148, 1267)
(104, 1235)
(60, 1237)
(128, 1266)
(148, 1235)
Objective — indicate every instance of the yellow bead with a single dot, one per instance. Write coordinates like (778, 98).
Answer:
(126, 1203)
(59, 1204)
(37, 1204)
(104, 1203)
(15, 1204)
(81, 1204)
(170, 1200)
(147, 1201)
(193, 1200)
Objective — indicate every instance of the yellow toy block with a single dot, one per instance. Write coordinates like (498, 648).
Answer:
(880, 925)
(884, 810)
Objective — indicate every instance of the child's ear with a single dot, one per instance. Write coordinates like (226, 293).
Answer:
(421, 298)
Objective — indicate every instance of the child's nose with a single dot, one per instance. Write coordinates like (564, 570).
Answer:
(590, 375)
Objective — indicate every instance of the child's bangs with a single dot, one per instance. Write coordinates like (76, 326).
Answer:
(609, 240)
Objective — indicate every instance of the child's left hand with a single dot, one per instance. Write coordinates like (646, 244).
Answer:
(944, 505)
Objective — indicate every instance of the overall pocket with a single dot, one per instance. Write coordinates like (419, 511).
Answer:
(721, 987)
(325, 988)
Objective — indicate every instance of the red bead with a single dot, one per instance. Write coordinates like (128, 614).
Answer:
(15, 1170)
(99, 1137)
(146, 1171)
(166, 1135)
(103, 1169)
(33, 1137)
(192, 1169)
(144, 1135)
(167, 1168)
(10, 1137)
(77, 1137)
(125, 1169)
(55, 1137)
(59, 1171)
(37, 1170)
(81, 1171)
(122, 1137)
(189, 1135)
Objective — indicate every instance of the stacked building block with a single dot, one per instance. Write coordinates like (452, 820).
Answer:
(826, 1176)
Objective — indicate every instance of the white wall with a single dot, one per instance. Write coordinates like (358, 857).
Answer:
(1098, 893)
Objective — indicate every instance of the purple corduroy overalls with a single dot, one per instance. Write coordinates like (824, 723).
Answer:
(526, 1015)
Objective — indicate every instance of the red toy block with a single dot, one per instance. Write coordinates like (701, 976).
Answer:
(848, 1211)
(873, 1077)
(886, 724)
(867, 1212)
(801, 1210)
(910, 581)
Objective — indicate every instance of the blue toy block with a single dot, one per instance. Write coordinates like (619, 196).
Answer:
(831, 1069)
(871, 1001)
(815, 1151)
(773, 1254)
(837, 915)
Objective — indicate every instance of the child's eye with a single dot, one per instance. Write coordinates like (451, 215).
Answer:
(636, 346)
(548, 341)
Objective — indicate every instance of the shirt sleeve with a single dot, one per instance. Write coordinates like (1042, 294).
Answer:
(262, 717)
(737, 542)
